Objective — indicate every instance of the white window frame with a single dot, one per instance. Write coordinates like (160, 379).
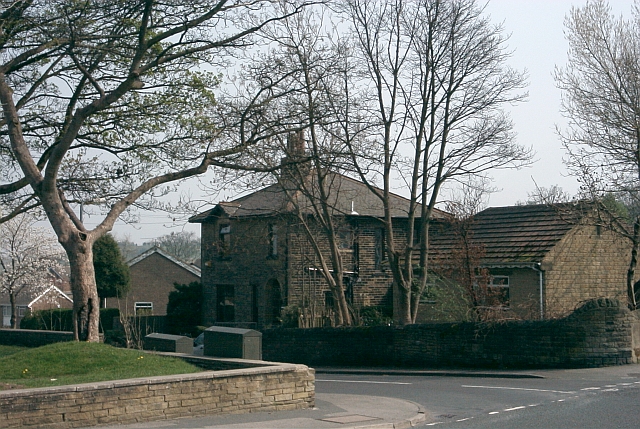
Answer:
(143, 305)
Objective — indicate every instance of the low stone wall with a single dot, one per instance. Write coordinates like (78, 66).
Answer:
(32, 338)
(267, 388)
(600, 333)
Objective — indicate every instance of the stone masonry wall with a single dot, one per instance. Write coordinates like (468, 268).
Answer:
(282, 387)
(588, 263)
(600, 333)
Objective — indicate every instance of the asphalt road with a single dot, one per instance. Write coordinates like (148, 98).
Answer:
(590, 398)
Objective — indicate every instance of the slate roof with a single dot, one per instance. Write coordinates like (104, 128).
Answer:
(346, 195)
(514, 235)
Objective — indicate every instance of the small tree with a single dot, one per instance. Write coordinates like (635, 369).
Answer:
(112, 272)
(27, 253)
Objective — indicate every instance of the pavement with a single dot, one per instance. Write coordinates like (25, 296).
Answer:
(330, 411)
(335, 410)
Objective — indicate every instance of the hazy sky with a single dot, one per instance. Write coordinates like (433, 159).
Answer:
(537, 39)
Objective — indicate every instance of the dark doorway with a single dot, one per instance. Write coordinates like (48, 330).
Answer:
(226, 304)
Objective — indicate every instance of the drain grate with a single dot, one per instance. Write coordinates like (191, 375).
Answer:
(349, 419)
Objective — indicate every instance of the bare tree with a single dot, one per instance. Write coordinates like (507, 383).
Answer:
(105, 100)
(183, 245)
(302, 69)
(27, 253)
(554, 194)
(436, 77)
(601, 100)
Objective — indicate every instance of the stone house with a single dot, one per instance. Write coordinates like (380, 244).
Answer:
(543, 260)
(153, 275)
(257, 260)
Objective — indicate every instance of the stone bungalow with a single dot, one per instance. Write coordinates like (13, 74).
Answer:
(545, 260)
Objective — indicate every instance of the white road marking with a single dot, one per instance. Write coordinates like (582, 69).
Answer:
(365, 381)
(610, 385)
(560, 400)
(494, 412)
(533, 405)
(515, 408)
(464, 420)
(625, 384)
(434, 423)
(591, 388)
(515, 388)
(610, 390)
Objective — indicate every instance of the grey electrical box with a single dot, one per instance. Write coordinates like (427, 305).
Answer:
(168, 343)
(220, 341)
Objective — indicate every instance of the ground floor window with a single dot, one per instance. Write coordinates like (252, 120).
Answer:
(226, 303)
(144, 308)
(498, 291)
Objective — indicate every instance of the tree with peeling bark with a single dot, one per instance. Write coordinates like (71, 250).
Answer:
(27, 253)
(106, 101)
(436, 76)
(601, 100)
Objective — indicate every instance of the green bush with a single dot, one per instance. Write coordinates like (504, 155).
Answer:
(184, 310)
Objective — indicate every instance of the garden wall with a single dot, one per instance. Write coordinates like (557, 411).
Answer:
(599, 333)
(269, 387)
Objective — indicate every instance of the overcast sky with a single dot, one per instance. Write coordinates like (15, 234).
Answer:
(537, 39)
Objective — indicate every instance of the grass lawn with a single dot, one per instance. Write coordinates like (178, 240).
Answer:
(79, 362)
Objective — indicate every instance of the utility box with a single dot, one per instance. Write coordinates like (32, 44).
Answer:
(168, 343)
(220, 341)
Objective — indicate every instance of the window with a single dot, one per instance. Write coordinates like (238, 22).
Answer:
(329, 301)
(345, 238)
(226, 303)
(380, 248)
(273, 240)
(224, 240)
(22, 310)
(498, 291)
(144, 308)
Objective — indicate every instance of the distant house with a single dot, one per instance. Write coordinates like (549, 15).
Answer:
(58, 295)
(153, 275)
(257, 260)
(544, 260)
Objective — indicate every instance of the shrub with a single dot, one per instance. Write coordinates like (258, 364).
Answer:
(184, 310)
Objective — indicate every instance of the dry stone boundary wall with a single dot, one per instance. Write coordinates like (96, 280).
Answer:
(601, 332)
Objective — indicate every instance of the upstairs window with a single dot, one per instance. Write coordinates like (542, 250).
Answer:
(380, 249)
(224, 240)
(273, 241)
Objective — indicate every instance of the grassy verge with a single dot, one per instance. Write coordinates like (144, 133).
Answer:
(9, 350)
(77, 362)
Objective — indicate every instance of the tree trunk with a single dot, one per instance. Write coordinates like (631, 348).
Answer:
(402, 301)
(14, 311)
(632, 265)
(86, 304)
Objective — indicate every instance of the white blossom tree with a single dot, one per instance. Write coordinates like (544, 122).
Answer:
(27, 253)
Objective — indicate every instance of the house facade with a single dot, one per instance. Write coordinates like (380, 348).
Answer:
(544, 260)
(258, 264)
(153, 275)
(56, 295)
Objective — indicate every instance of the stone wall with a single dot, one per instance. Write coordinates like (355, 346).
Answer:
(600, 333)
(588, 263)
(266, 388)
(32, 338)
